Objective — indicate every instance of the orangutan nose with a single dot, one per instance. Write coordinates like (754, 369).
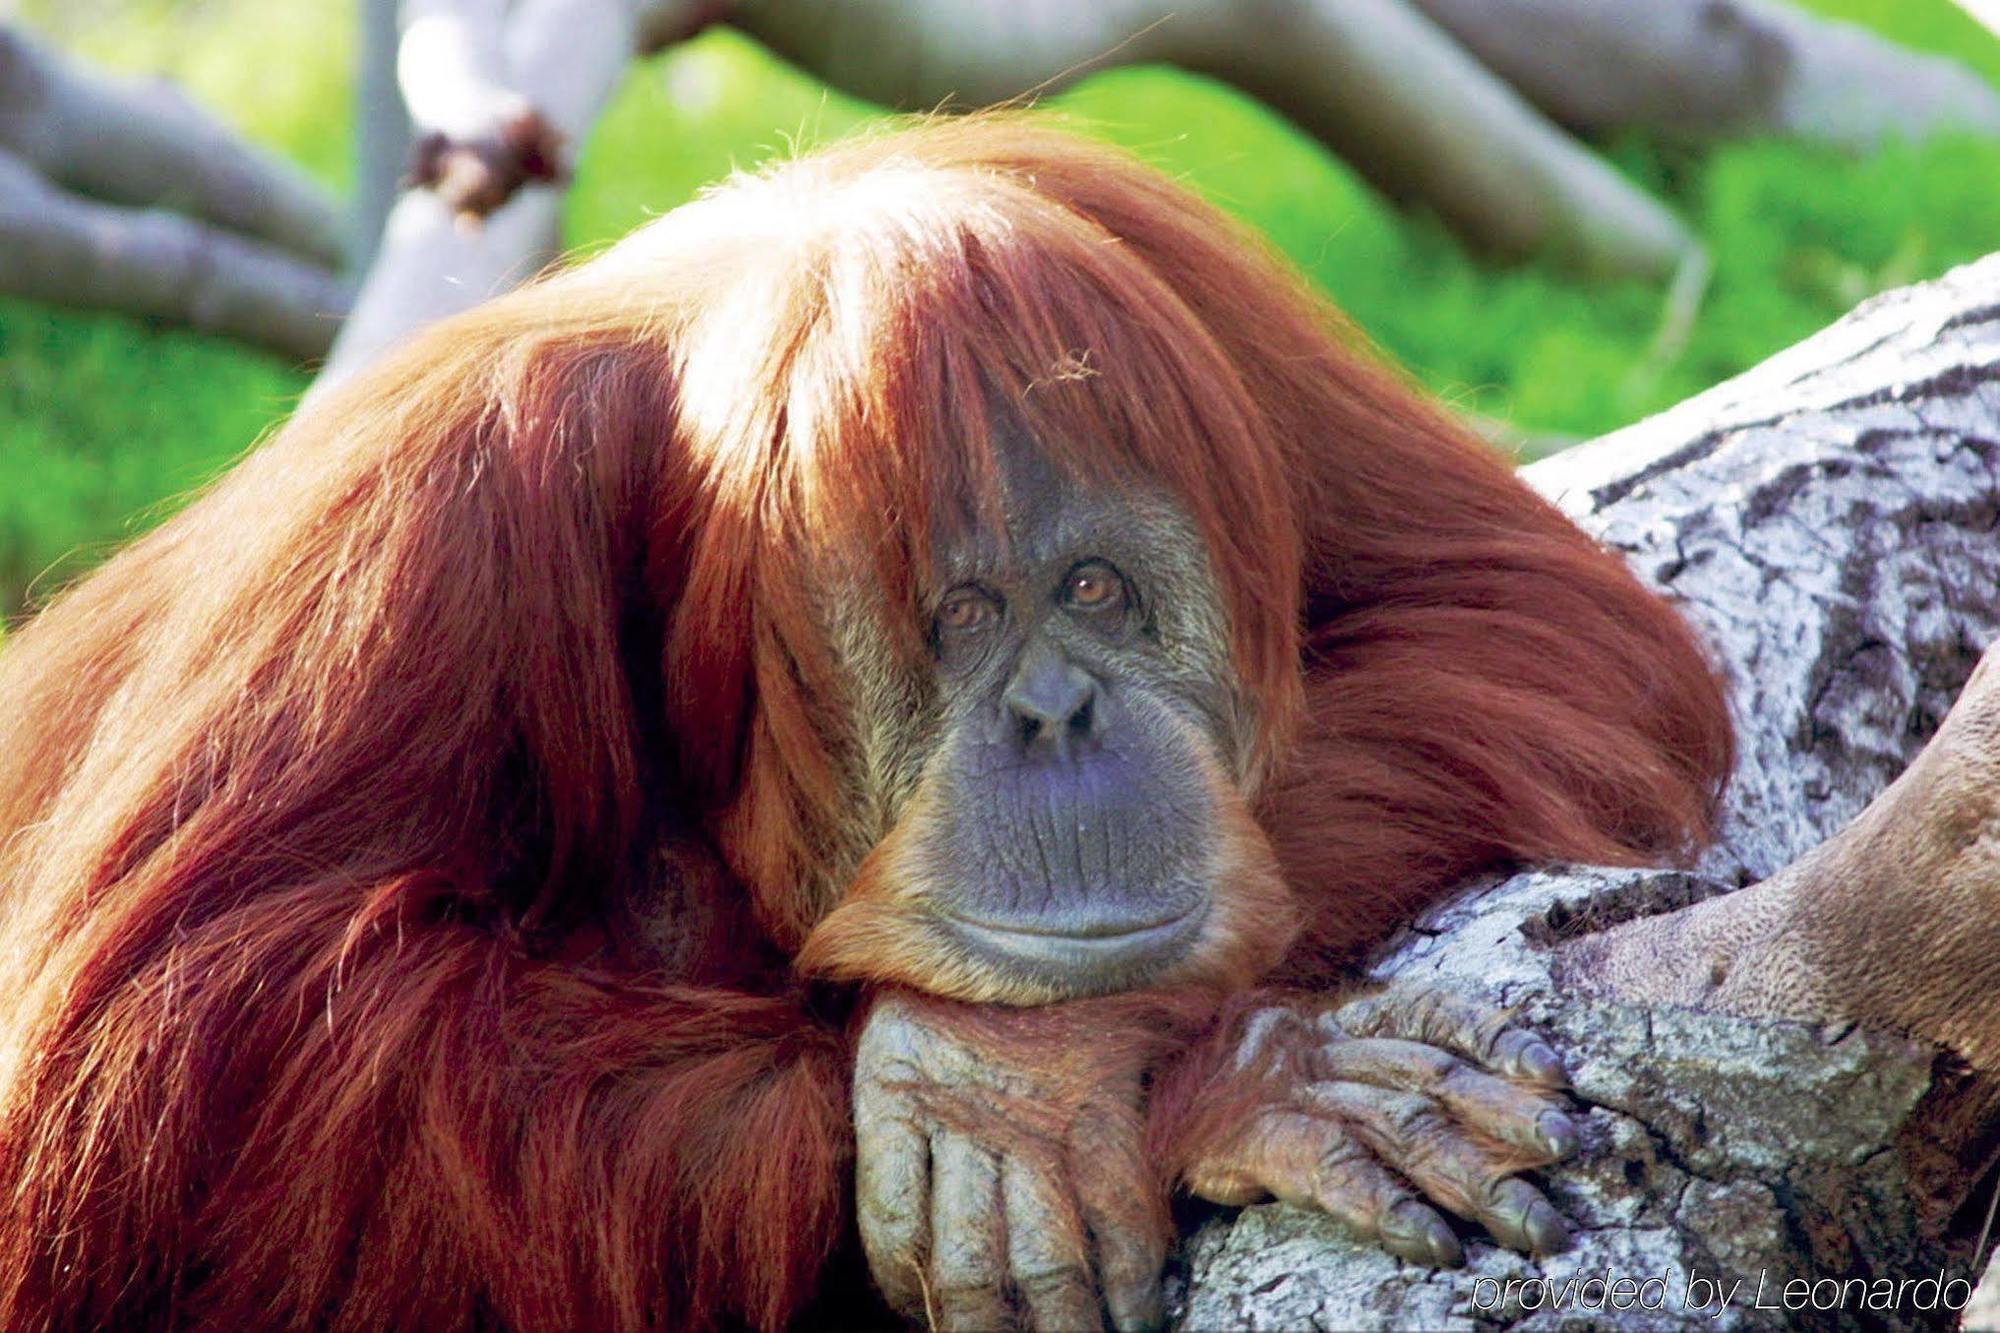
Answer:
(1055, 706)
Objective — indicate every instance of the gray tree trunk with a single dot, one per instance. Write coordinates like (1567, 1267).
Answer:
(382, 136)
(1829, 521)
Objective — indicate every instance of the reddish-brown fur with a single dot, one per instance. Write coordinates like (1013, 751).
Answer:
(339, 816)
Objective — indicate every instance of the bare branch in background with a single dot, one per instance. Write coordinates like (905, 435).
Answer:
(476, 64)
(1709, 69)
(135, 142)
(452, 70)
(1459, 107)
(664, 22)
(479, 138)
(1986, 11)
(1451, 105)
(1382, 85)
(1373, 77)
(60, 247)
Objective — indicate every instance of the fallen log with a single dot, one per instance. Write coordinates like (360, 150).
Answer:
(1788, 1089)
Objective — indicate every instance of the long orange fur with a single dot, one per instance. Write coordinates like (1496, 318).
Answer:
(323, 806)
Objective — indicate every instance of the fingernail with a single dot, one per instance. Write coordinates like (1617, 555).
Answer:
(1443, 1245)
(1545, 1230)
(1539, 1062)
(1404, 1225)
(1558, 1134)
(1139, 1308)
(1417, 1233)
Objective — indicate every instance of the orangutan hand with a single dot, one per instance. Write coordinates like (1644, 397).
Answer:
(1000, 1180)
(1371, 1109)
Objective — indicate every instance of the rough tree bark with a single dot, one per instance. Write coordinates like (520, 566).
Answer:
(1829, 519)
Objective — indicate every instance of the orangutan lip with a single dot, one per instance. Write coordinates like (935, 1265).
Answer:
(1094, 941)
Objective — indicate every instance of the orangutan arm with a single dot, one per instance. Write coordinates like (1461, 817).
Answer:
(356, 1108)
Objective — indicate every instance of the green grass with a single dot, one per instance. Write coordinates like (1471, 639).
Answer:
(104, 420)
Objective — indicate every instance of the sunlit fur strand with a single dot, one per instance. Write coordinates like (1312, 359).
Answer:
(312, 798)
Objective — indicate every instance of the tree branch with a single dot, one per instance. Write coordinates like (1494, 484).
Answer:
(479, 137)
(1384, 86)
(383, 134)
(59, 247)
(1985, 11)
(1706, 69)
(128, 142)
(563, 58)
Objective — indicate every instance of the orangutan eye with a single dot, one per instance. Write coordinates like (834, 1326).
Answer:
(1094, 586)
(967, 610)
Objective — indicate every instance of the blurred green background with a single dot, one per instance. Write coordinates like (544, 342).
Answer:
(106, 421)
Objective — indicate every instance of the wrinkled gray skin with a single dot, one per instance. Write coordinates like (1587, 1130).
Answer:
(1084, 681)
(1081, 705)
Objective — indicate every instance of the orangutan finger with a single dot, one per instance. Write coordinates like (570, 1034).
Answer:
(1316, 1160)
(1130, 1231)
(1048, 1254)
(1521, 1218)
(1479, 1032)
(966, 1244)
(1467, 1177)
(1273, 1154)
(1523, 1118)
(1226, 1179)
(1522, 1053)
(1356, 1191)
(892, 1191)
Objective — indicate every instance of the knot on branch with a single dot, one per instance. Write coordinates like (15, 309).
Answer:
(476, 176)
